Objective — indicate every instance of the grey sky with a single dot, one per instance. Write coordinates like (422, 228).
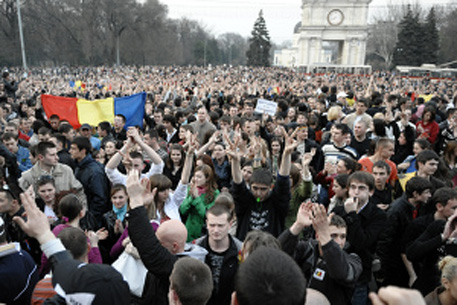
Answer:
(238, 16)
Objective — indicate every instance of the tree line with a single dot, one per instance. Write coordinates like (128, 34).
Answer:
(409, 35)
(106, 32)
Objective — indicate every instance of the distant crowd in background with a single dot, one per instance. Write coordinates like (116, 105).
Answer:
(347, 188)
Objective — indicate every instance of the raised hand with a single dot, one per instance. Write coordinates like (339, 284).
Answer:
(450, 229)
(290, 143)
(37, 224)
(305, 214)
(232, 146)
(307, 158)
(132, 133)
(321, 221)
(135, 189)
(126, 159)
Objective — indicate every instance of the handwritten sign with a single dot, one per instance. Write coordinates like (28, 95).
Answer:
(265, 106)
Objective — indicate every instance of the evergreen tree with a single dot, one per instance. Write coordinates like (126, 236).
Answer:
(409, 47)
(431, 39)
(259, 44)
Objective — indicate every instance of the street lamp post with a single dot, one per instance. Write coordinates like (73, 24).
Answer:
(21, 35)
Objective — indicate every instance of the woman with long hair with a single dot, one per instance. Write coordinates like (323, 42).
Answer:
(450, 160)
(174, 164)
(201, 196)
(276, 149)
(165, 203)
(428, 128)
(114, 221)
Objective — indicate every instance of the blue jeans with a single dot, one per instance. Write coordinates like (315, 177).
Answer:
(360, 296)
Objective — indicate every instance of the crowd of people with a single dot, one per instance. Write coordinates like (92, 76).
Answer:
(347, 188)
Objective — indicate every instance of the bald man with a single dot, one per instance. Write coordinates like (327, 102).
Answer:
(172, 234)
(158, 250)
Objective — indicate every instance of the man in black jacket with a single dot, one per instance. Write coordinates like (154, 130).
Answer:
(327, 267)
(426, 245)
(401, 213)
(92, 176)
(365, 223)
(222, 255)
(158, 251)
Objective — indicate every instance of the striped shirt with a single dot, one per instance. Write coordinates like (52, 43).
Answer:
(333, 153)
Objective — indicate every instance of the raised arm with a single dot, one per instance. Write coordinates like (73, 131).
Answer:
(212, 140)
(132, 132)
(236, 158)
(117, 157)
(185, 176)
(291, 144)
(157, 259)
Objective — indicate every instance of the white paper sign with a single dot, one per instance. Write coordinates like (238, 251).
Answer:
(265, 106)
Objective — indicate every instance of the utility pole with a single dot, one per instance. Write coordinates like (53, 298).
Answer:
(204, 52)
(118, 60)
(230, 54)
(21, 35)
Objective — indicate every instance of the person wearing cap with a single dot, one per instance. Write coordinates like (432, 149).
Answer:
(18, 271)
(86, 131)
(341, 98)
(75, 282)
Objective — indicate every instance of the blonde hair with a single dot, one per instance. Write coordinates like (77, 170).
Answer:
(334, 113)
(448, 267)
(379, 115)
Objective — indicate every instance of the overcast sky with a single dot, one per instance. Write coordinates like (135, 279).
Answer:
(238, 16)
